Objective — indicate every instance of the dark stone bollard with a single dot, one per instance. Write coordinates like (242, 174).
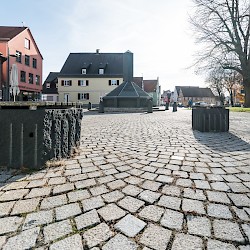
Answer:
(214, 119)
(101, 107)
(167, 106)
(150, 106)
(29, 138)
(174, 107)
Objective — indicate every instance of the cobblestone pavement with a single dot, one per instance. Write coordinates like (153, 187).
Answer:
(140, 181)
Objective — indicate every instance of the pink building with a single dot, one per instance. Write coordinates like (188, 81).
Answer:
(19, 47)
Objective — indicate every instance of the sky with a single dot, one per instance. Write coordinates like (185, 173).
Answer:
(157, 32)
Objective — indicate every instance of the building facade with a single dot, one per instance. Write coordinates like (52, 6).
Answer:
(19, 47)
(87, 77)
(50, 88)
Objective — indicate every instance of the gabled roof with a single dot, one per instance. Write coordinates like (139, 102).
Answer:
(127, 89)
(193, 91)
(9, 32)
(52, 77)
(138, 80)
(112, 62)
(150, 85)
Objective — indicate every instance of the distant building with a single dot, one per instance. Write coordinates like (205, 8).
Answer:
(87, 77)
(152, 87)
(50, 85)
(197, 94)
(19, 47)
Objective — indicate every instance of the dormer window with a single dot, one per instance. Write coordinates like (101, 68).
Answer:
(84, 71)
(48, 85)
(101, 71)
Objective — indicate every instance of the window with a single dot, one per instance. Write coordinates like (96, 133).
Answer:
(47, 85)
(34, 63)
(27, 60)
(23, 76)
(66, 83)
(101, 71)
(84, 71)
(37, 80)
(30, 78)
(113, 82)
(83, 96)
(83, 83)
(19, 56)
(26, 43)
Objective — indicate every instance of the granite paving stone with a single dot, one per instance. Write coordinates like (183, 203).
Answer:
(131, 204)
(149, 196)
(193, 206)
(130, 225)
(151, 185)
(38, 192)
(10, 224)
(227, 230)
(25, 206)
(92, 203)
(57, 230)
(111, 212)
(97, 235)
(53, 201)
(25, 240)
(72, 242)
(172, 219)
(199, 225)
(187, 242)
(218, 197)
(12, 195)
(132, 190)
(170, 202)
(171, 190)
(239, 200)
(78, 195)
(87, 219)
(246, 228)
(155, 237)
(5, 208)
(2, 241)
(98, 190)
(219, 211)
(194, 194)
(63, 188)
(37, 219)
(218, 245)
(66, 211)
(151, 213)
(120, 242)
(113, 196)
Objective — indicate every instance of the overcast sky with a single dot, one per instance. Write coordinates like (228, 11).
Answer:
(157, 32)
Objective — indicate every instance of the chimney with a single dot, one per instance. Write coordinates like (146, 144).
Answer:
(128, 66)
(97, 51)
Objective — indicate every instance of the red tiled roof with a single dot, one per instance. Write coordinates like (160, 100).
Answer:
(10, 32)
(150, 85)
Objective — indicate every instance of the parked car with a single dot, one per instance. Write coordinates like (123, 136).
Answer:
(200, 104)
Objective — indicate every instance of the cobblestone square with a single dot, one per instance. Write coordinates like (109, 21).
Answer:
(138, 181)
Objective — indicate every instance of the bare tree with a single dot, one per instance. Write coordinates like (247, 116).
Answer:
(223, 28)
(215, 82)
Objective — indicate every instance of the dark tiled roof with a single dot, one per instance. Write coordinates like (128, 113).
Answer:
(52, 79)
(127, 89)
(10, 32)
(113, 63)
(138, 81)
(190, 91)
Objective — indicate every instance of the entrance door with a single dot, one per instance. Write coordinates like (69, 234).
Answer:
(66, 97)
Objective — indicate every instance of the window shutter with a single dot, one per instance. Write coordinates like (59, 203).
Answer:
(87, 95)
(79, 96)
(109, 82)
(79, 82)
(62, 82)
(87, 82)
(70, 83)
(117, 82)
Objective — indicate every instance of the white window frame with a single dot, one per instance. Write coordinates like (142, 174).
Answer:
(66, 83)
(26, 43)
(48, 85)
(84, 71)
(101, 71)
(82, 96)
(114, 82)
(83, 83)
